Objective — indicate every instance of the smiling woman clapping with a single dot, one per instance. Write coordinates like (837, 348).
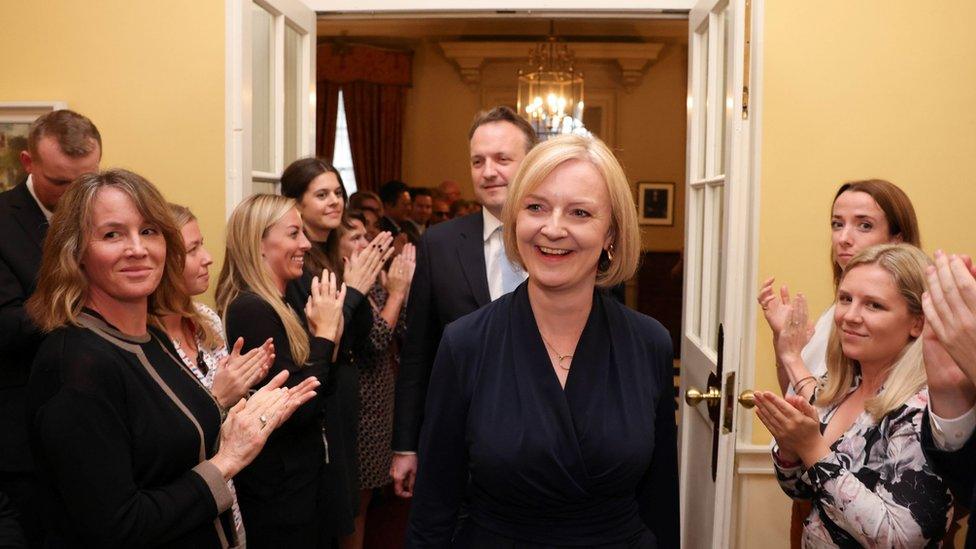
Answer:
(857, 454)
(123, 433)
(552, 407)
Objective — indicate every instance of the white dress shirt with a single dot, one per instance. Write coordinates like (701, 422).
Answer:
(952, 434)
(30, 188)
(495, 254)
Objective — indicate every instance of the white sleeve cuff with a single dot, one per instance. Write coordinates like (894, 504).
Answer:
(951, 434)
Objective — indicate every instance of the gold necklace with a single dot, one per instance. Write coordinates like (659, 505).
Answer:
(560, 358)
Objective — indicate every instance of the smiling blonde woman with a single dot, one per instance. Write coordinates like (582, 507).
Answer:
(552, 406)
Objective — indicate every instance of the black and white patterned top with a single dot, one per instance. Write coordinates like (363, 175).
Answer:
(211, 357)
(875, 488)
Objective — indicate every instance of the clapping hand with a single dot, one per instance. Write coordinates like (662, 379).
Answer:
(774, 307)
(250, 422)
(951, 394)
(950, 308)
(362, 268)
(324, 307)
(397, 280)
(795, 425)
(236, 373)
(795, 332)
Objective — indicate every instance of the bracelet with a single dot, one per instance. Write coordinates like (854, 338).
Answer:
(797, 387)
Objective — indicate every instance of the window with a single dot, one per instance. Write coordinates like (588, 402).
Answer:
(270, 93)
(342, 156)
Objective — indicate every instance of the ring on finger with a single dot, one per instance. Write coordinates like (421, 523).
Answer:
(264, 421)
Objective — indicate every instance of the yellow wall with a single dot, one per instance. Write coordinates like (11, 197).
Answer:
(149, 74)
(855, 90)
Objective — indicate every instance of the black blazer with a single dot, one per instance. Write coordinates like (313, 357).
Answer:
(122, 433)
(957, 470)
(451, 281)
(539, 465)
(281, 486)
(22, 231)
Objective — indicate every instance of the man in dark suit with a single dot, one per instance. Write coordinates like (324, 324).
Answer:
(397, 207)
(61, 146)
(461, 265)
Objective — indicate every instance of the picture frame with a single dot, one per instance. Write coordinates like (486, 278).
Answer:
(655, 203)
(15, 121)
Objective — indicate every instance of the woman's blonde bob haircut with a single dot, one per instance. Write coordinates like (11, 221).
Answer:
(62, 286)
(906, 264)
(244, 269)
(624, 230)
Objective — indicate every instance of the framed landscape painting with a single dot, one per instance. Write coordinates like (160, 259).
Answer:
(15, 121)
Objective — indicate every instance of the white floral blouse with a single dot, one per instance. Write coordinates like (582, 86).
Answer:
(211, 357)
(876, 488)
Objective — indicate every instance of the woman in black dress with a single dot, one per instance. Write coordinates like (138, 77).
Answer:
(279, 493)
(125, 436)
(320, 197)
(550, 411)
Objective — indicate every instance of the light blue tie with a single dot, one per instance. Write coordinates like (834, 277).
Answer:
(512, 276)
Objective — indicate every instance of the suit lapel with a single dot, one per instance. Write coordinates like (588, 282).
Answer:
(28, 214)
(471, 253)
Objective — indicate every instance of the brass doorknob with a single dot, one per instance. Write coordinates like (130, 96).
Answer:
(712, 397)
(747, 399)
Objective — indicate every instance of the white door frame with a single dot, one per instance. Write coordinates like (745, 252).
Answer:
(741, 257)
(237, 90)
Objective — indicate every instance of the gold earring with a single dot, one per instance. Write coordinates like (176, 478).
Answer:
(610, 253)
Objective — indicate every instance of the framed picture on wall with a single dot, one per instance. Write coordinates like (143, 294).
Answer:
(655, 203)
(15, 121)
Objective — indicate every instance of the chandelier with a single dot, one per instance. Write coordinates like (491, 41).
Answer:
(550, 95)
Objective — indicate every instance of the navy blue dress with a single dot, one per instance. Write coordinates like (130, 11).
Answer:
(536, 465)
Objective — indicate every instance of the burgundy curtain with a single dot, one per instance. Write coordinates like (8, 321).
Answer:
(373, 83)
(325, 118)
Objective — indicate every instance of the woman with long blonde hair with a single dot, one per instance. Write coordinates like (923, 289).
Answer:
(857, 454)
(280, 492)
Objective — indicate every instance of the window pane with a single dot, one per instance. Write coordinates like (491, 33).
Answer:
(293, 94)
(342, 157)
(262, 90)
(698, 201)
(724, 96)
(701, 106)
(718, 258)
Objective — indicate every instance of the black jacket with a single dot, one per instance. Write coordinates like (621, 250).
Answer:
(121, 432)
(451, 281)
(957, 470)
(22, 231)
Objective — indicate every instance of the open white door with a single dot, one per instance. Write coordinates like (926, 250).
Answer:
(716, 264)
(270, 95)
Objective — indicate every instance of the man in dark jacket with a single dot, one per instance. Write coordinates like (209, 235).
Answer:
(61, 146)
(461, 265)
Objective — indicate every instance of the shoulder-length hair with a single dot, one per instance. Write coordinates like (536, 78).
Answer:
(181, 216)
(62, 286)
(294, 182)
(244, 269)
(897, 208)
(624, 230)
(906, 264)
